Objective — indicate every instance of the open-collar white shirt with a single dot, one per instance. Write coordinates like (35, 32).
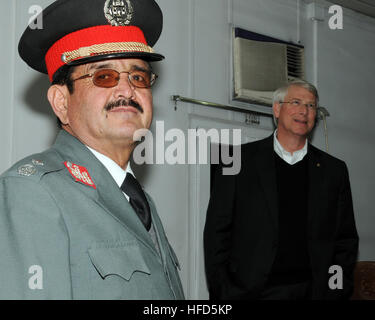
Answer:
(291, 158)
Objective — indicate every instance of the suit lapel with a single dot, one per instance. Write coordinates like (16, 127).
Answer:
(159, 230)
(107, 193)
(114, 202)
(265, 163)
(316, 176)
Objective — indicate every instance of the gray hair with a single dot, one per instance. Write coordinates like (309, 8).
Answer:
(280, 93)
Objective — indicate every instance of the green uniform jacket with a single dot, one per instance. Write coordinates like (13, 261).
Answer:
(63, 239)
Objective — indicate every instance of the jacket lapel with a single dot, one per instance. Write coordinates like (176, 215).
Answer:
(114, 202)
(107, 193)
(265, 163)
(159, 230)
(316, 185)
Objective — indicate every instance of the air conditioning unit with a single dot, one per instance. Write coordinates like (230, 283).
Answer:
(262, 64)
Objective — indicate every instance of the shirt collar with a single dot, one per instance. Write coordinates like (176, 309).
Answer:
(117, 173)
(286, 155)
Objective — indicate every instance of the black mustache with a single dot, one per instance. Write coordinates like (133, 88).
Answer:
(123, 103)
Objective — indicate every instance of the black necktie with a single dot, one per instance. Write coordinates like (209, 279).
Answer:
(137, 199)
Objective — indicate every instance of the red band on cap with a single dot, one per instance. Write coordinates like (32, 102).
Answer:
(89, 37)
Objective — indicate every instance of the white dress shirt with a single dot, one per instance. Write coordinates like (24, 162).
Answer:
(117, 173)
(291, 158)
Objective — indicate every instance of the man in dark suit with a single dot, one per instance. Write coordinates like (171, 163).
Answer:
(274, 230)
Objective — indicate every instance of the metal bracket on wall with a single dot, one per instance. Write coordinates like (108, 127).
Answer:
(252, 117)
(322, 115)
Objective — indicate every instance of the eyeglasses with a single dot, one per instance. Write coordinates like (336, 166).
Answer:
(109, 78)
(297, 103)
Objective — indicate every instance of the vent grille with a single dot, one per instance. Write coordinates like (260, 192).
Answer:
(262, 64)
(295, 62)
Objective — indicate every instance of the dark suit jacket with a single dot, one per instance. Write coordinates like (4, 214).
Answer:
(241, 231)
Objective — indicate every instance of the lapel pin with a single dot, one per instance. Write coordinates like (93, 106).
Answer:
(318, 164)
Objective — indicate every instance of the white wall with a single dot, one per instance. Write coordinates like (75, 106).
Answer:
(196, 43)
(345, 78)
(7, 53)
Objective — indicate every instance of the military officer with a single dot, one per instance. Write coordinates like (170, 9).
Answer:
(74, 221)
